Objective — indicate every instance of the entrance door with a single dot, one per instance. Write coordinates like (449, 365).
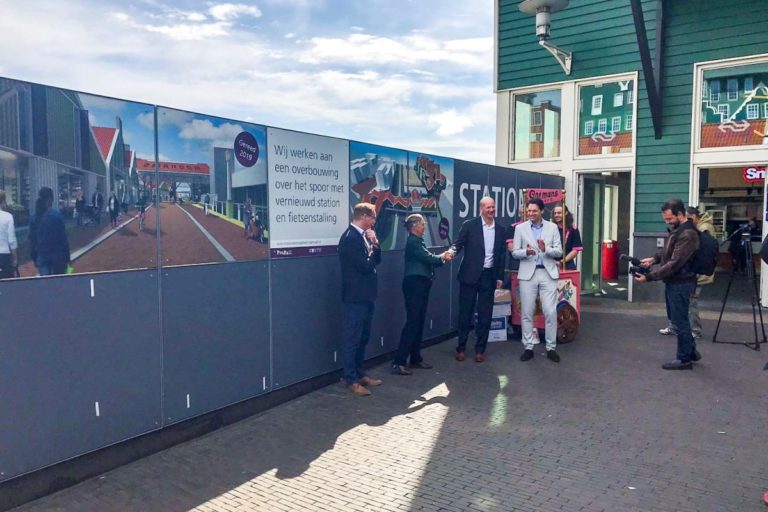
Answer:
(591, 201)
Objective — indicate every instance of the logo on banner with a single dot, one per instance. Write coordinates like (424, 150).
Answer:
(753, 174)
(547, 195)
(246, 149)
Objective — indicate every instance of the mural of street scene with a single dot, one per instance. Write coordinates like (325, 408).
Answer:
(400, 183)
(212, 187)
(734, 107)
(68, 168)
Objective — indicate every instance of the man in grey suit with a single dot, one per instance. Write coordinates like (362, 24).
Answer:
(537, 246)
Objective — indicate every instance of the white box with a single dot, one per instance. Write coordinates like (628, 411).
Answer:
(498, 330)
(502, 309)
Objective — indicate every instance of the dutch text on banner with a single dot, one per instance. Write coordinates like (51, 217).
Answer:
(308, 192)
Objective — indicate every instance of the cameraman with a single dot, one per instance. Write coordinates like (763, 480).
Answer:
(679, 281)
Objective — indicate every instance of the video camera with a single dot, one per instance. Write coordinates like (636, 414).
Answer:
(635, 269)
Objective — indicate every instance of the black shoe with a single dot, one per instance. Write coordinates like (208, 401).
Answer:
(398, 369)
(421, 366)
(677, 365)
(696, 357)
(527, 355)
(552, 356)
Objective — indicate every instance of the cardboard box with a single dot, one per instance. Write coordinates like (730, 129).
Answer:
(498, 330)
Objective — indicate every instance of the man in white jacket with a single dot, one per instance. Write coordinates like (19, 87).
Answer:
(537, 246)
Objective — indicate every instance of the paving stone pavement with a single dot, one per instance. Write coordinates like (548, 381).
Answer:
(605, 430)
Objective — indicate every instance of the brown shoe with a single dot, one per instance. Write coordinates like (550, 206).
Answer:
(460, 356)
(479, 358)
(370, 381)
(359, 389)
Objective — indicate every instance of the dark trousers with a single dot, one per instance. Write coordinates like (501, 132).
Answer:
(357, 330)
(480, 293)
(678, 298)
(416, 292)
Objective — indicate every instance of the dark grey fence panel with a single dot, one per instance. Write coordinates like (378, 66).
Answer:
(216, 336)
(389, 315)
(439, 313)
(79, 366)
(306, 313)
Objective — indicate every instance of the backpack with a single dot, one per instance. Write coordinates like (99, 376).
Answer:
(704, 260)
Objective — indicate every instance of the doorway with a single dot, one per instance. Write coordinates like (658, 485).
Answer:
(605, 224)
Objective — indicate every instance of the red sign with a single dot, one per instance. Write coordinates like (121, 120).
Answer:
(548, 195)
(753, 174)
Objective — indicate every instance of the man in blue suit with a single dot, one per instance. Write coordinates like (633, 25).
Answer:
(359, 254)
(480, 273)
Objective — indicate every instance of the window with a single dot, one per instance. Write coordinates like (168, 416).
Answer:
(628, 125)
(748, 85)
(724, 111)
(730, 101)
(630, 97)
(536, 125)
(714, 91)
(594, 119)
(597, 105)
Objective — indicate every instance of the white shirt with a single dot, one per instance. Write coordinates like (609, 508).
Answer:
(7, 233)
(489, 237)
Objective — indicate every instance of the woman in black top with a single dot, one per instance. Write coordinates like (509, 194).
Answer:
(571, 239)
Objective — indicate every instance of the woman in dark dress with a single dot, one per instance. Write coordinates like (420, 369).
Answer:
(419, 270)
(571, 238)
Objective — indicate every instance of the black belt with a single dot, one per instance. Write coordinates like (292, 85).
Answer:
(539, 266)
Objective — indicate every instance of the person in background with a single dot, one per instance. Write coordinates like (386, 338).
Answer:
(48, 237)
(8, 243)
(420, 267)
(97, 205)
(248, 219)
(113, 207)
(80, 208)
(569, 236)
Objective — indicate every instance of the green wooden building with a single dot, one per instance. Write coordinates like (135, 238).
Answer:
(662, 99)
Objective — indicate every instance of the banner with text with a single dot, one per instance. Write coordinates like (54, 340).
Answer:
(308, 179)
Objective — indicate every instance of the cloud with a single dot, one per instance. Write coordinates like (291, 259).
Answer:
(225, 12)
(187, 32)
(449, 122)
(205, 130)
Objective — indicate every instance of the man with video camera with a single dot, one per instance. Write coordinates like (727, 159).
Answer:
(679, 281)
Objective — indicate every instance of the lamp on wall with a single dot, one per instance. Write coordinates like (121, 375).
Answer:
(543, 10)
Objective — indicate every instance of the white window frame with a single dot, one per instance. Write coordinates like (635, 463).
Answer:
(714, 96)
(533, 118)
(537, 137)
(597, 104)
(630, 97)
(753, 111)
(717, 156)
(765, 109)
(629, 124)
(616, 124)
(602, 125)
(751, 87)
(510, 135)
(733, 94)
(724, 110)
(618, 99)
(589, 127)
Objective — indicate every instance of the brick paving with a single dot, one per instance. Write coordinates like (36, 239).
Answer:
(605, 430)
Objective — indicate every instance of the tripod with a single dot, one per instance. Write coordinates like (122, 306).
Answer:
(752, 279)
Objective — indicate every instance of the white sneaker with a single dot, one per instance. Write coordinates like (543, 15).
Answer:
(667, 332)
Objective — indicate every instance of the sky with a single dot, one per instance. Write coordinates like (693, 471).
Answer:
(415, 75)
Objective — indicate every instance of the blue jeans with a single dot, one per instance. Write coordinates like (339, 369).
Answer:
(357, 330)
(678, 297)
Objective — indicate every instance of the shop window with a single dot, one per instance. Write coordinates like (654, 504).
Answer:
(737, 118)
(597, 105)
(603, 126)
(536, 125)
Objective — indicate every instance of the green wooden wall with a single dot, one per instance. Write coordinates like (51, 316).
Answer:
(602, 36)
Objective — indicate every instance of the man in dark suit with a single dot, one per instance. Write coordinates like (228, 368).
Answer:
(480, 273)
(359, 254)
(97, 206)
